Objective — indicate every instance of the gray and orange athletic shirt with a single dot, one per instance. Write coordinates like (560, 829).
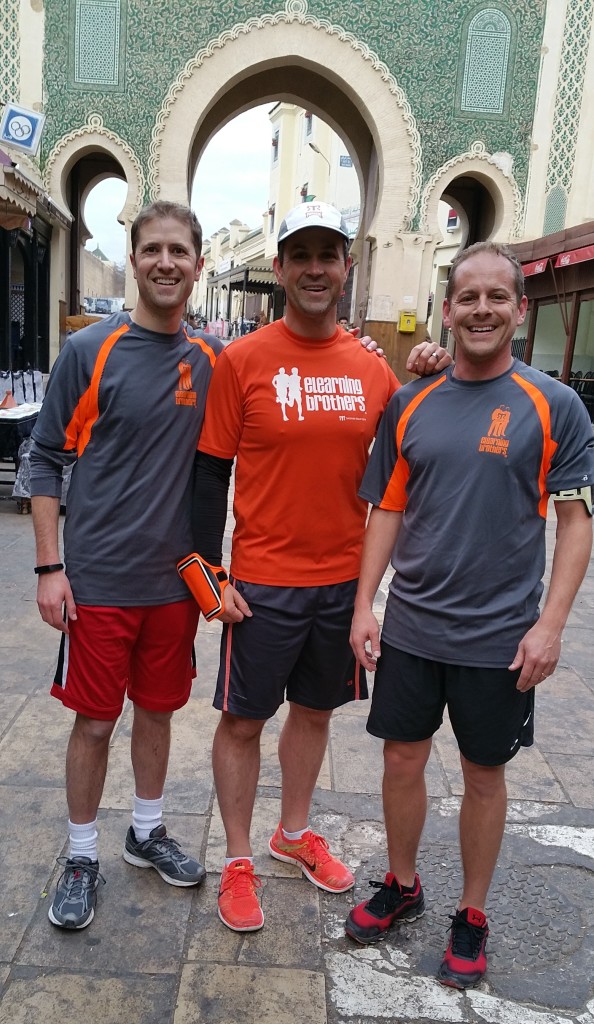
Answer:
(471, 465)
(126, 404)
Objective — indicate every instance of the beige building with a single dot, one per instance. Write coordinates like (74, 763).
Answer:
(308, 161)
(102, 279)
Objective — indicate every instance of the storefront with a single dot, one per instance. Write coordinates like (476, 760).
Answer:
(236, 293)
(27, 216)
(558, 333)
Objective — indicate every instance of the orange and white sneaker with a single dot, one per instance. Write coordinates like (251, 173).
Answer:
(239, 908)
(312, 855)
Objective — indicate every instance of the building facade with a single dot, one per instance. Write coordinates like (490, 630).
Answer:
(478, 105)
(308, 160)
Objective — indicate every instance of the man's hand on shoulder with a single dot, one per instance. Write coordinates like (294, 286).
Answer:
(425, 359)
(428, 358)
(368, 343)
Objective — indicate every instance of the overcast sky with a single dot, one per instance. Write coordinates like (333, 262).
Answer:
(231, 182)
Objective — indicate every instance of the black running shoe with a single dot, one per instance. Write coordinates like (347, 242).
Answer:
(369, 921)
(465, 960)
(163, 854)
(76, 894)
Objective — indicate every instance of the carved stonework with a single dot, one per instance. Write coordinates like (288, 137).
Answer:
(417, 56)
(110, 141)
(294, 11)
(477, 151)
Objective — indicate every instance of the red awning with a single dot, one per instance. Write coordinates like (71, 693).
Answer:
(566, 259)
(538, 267)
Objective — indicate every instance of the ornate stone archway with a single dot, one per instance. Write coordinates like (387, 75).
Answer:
(492, 170)
(293, 56)
(492, 174)
(91, 138)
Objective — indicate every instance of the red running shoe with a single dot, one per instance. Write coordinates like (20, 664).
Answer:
(371, 920)
(312, 855)
(239, 908)
(465, 960)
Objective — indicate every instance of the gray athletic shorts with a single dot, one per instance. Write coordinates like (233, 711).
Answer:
(296, 644)
(491, 719)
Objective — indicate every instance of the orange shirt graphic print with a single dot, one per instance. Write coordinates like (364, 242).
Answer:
(495, 441)
(499, 421)
(288, 391)
(184, 394)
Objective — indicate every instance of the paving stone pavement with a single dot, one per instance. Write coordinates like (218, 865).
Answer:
(155, 953)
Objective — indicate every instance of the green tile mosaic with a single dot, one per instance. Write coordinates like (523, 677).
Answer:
(568, 103)
(486, 63)
(97, 42)
(9, 50)
(419, 41)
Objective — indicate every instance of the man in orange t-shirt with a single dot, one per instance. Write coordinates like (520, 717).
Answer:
(298, 407)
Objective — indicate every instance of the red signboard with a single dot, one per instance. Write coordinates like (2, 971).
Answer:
(566, 259)
(538, 267)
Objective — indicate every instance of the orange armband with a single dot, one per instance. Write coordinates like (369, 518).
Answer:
(206, 583)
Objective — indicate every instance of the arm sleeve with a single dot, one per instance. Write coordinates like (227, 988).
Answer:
(51, 451)
(384, 479)
(46, 466)
(223, 417)
(572, 464)
(209, 505)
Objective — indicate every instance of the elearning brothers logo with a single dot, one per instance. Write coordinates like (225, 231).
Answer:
(495, 441)
(317, 394)
(185, 395)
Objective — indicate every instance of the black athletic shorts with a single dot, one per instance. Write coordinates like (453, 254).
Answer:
(296, 643)
(491, 719)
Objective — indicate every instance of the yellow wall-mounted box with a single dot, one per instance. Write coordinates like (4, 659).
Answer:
(407, 323)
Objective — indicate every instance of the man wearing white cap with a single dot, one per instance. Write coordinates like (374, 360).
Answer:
(298, 408)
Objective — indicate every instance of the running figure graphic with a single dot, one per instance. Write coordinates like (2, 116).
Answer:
(288, 390)
(295, 391)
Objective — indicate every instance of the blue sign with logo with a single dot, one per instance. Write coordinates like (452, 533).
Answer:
(21, 127)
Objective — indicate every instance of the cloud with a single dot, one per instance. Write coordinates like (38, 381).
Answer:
(100, 212)
(231, 182)
(232, 178)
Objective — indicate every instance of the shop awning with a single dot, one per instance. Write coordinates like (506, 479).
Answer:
(566, 259)
(21, 199)
(252, 278)
(538, 267)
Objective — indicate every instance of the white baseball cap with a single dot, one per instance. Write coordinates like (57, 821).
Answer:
(313, 215)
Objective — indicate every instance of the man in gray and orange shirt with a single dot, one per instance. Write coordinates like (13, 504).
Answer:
(459, 480)
(125, 403)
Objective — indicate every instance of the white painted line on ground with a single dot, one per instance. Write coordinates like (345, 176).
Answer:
(366, 984)
(364, 988)
(581, 840)
(502, 1011)
(520, 810)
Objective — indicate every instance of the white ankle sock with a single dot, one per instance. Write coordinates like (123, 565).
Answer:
(146, 816)
(83, 840)
(295, 835)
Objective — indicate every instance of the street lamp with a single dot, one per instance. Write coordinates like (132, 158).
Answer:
(317, 150)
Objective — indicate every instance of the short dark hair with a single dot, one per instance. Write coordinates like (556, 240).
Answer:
(162, 208)
(496, 249)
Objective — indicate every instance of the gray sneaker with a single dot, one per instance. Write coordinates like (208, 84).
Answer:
(163, 854)
(76, 894)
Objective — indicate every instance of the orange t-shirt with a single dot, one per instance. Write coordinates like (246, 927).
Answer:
(300, 415)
